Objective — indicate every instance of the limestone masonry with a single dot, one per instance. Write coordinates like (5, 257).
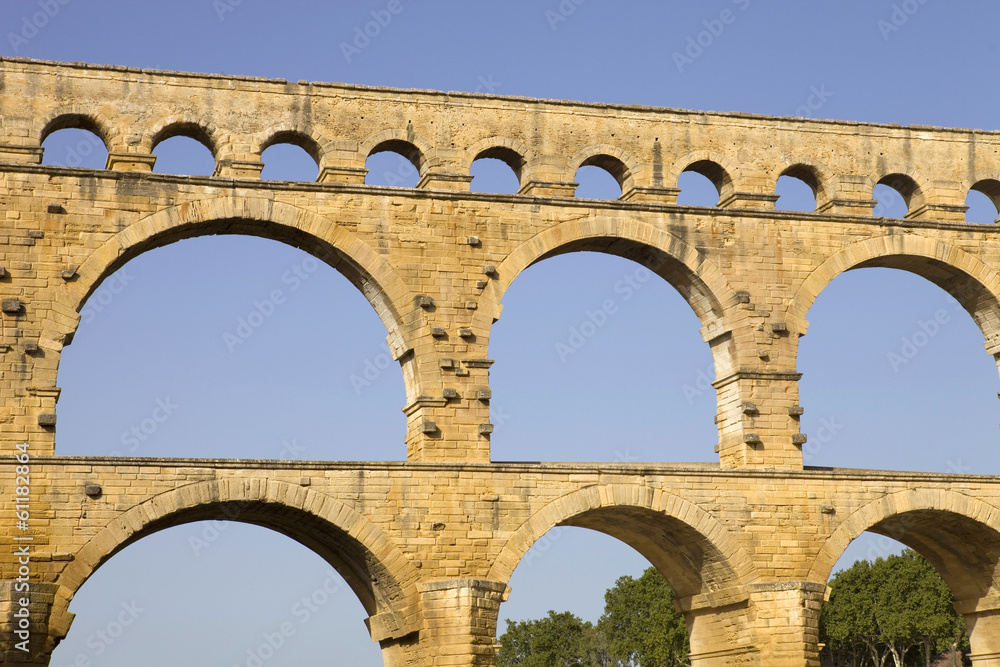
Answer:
(429, 544)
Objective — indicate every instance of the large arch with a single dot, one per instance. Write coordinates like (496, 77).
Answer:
(973, 284)
(319, 236)
(374, 567)
(698, 280)
(701, 560)
(920, 518)
(632, 513)
(959, 536)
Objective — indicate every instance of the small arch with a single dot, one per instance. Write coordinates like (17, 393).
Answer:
(404, 142)
(500, 168)
(717, 175)
(987, 189)
(886, 191)
(295, 138)
(507, 155)
(611, 159)
(594, 182)
(511, 152)
(73, 147)
(799, 188)
(189, 129)
(185, 156)
(293, 151)
(77, 121)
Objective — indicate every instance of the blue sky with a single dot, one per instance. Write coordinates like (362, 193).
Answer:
(159, 337)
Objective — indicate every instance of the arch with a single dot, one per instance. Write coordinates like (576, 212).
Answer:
(698, 280)
(80, 120)
(612, 160)
(989, 187)
(906, 186)
(405, 142)
(702, 556)
(374, 567)
(973, 284)
(812, 174)
(509, 151)
(321, 237)
(509, 157)
(183, 126)
(290, 135)
(712, 166)
(958, 534)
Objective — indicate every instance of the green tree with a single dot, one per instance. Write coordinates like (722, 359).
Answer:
(558, 640)
(895, 607)
(641, 625)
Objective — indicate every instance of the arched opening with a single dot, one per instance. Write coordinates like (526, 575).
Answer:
(185, 149)
(894, 372)
(497, 169)
(796, 189)
(894, 194)
(701, 572)
(983, 201)
(597, 592)
(394, 163)
(888, 603)
(290, 156)
(601, 177)
(702, 184)
(583, 371)
(255, 349)
(956, 548)
(74, 141)
(238, 594)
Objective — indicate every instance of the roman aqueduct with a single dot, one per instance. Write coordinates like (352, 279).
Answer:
(429, 544)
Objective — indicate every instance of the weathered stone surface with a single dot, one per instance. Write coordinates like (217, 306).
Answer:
(429, 545)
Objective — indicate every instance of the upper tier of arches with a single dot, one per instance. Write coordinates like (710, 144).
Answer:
(544, 143)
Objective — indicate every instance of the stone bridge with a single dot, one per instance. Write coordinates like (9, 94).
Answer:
(429, 544)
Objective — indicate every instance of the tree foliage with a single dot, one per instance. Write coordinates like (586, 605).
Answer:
(640, 623)
(558, 640)
(639, 628)
(893, 611)
(896, 608)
